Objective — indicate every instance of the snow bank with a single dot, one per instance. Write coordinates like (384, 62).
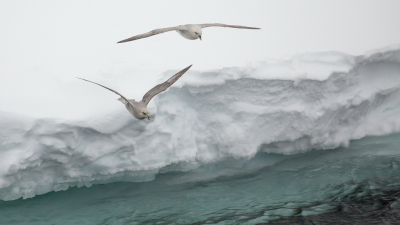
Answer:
(314, 100)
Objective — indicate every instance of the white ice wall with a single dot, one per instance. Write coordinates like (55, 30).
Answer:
(314, 100)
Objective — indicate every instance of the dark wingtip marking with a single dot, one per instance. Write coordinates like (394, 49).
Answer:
(82, 79)
(125, 40)
(187, 68)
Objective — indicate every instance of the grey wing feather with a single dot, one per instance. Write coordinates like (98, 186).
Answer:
(153, 32)
(162, 87)
(224, 25)
(110, 90)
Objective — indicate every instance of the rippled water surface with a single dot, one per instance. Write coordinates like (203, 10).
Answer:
(355, 185)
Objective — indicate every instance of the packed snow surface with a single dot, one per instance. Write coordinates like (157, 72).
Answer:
(311, 101)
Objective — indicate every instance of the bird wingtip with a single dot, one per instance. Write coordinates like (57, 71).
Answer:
(186, 69)
(125, 40)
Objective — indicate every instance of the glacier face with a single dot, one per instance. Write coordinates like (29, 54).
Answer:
(312, 101)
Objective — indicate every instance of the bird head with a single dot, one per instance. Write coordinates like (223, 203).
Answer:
(145, 114)
(198, 32)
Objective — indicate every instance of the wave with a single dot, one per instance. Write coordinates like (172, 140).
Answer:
(312, 101)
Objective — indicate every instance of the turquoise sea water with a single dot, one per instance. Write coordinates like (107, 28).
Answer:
(357, 183)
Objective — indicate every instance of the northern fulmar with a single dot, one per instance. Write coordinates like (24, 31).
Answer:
(188, 31)
(139, 109)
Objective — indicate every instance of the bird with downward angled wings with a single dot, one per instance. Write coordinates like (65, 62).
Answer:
(139, 109)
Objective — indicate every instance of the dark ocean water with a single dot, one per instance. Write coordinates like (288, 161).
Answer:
(359, 184)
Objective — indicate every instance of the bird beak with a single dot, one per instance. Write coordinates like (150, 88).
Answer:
(200, 37)
(148, 118)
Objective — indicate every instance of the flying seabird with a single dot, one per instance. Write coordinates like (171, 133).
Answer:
(139, 109)
(188, 31)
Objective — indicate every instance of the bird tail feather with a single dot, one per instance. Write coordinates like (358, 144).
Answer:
(122, 100)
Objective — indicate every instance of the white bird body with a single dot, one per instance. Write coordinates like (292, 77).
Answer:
(191, 32)
(187, 34)
(188, 31)
(135, 108)
(139, 109)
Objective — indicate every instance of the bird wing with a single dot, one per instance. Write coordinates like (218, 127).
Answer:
(110, 90)
(153, 32)
(162, 87)
(224, 25)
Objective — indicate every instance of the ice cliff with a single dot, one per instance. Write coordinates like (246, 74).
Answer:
(311, 101)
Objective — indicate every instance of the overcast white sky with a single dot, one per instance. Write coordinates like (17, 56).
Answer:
(45, 44)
